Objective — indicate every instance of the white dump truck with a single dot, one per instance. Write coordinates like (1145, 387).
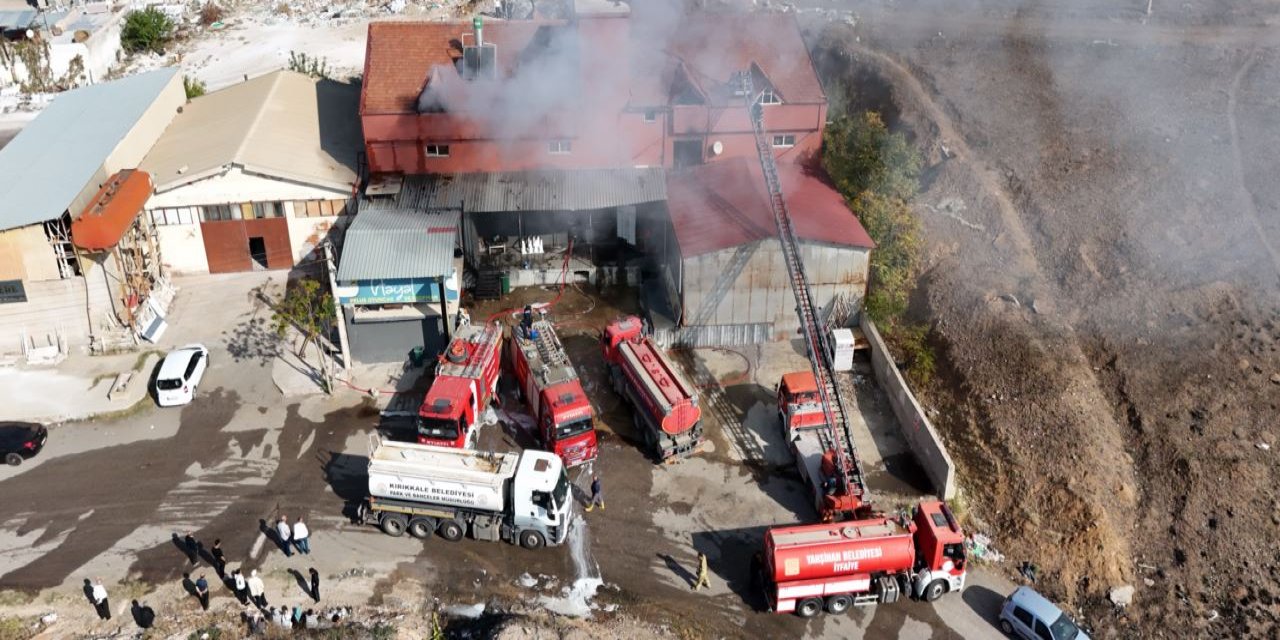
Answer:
(522, 498)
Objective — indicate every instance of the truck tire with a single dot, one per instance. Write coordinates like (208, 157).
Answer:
(393, 524)
(13, 459)
(809, 607)
(935, 590)
(531, 539)
(422, 528)
(839, 603)
(450, 530)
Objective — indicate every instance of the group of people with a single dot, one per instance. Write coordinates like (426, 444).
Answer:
(248, 589)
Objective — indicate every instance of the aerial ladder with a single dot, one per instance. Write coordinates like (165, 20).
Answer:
(848, 498)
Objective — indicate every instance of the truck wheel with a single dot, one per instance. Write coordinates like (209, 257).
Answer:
(530, 539)
(450, 530)
(1006, 628)
(839, 604)
(935, 590)
(422, 527)
(809, 607)
(393, 524)
(13, 459)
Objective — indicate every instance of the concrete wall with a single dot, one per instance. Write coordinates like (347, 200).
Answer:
(923, 439)
(52, 306)
(761, 292)
(182, 248)
(25, 254)
(305, 235)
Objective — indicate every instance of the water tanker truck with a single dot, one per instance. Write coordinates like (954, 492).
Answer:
(831, 567)
(521, 498)
(549, 385)
(466, 381)
(665, 407)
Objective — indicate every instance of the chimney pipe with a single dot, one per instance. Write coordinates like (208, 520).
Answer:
(477, 23)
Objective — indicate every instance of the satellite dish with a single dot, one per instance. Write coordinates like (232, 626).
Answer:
(30, 34)
(717, 148)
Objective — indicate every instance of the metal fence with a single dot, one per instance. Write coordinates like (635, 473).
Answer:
(722, 335)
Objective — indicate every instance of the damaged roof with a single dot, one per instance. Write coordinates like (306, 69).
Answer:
(723, 205)
(285, 125)
(542, 190)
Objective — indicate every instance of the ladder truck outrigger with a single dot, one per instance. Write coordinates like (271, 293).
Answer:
(855, 556)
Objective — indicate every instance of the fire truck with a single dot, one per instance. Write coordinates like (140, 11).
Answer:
(549, 385)
(466, 382)
(665, 407)
(855, 556)
(833, 566)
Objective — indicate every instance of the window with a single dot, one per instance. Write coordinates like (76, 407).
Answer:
(1042, 632)
(268, 210)
(192, 364)
(559, 147)
(769, 97)
(174, 215)
(437, 151)
(651, 115)
(215, 212)
(788, 140)
(1022, 615)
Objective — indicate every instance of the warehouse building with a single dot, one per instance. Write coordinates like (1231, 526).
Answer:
(255, 176)
(722, 265)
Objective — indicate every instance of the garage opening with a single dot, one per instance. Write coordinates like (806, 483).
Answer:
(258, 253)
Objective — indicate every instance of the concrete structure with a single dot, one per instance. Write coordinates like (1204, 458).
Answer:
(52, 170)
(76, 46)
(255, 176)
(605, 89)
(720, 260)
(398, 282)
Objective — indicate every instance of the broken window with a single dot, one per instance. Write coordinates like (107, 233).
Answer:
(268, 210)
(437, 151)
(788, 140)
(559, 147)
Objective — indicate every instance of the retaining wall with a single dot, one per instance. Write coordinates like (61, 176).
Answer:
(923, 439)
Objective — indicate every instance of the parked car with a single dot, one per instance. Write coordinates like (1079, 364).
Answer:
(1027, 614)
(21, 440)
(180, 374)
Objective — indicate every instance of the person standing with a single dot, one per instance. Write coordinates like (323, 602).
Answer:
(703, 580)
(144, 615)
(100, 603)
(597, 494)
(202, 592)
(284, 533)
(219, 560)
(315, 584)
(257, 590)
(239, 586)
(193, 548)
(302, 537)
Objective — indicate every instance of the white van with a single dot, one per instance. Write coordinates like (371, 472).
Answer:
(180, 374)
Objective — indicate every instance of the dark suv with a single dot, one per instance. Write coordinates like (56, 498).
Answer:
(21, 440)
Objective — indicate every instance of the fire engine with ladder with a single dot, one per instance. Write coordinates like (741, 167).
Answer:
(549, 385)
(466, 382)
(854, 556)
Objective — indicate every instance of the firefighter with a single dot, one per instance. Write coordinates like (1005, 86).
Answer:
(597, 494)
(703, 581)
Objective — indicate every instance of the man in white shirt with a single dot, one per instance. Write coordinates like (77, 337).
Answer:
(284, 533)
(302, 536)
(257, 589)
(100, 603)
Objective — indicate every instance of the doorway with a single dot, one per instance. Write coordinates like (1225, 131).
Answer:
(258, 253)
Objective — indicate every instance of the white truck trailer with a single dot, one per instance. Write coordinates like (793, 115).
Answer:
(516, 497)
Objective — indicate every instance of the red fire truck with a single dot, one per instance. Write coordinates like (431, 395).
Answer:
(804, 425)
(549, 385)
(466, 380)
(665, 407)
(810, 568)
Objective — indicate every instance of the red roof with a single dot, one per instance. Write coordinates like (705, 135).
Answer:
(713, 46)
(112, 210)
(722, 205)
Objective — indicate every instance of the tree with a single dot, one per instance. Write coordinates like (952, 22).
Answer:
(193, 86)
(307, 307)
(146, 30)
(861, 155)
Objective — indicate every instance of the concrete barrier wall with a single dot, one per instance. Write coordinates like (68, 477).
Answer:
(923, 439)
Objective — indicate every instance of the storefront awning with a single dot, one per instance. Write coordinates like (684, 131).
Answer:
(112, 211)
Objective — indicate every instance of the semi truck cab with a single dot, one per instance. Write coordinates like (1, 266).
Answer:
(541, 497)
(940, 558)
(799, 405)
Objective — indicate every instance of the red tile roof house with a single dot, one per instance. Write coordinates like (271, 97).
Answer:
(512, 107)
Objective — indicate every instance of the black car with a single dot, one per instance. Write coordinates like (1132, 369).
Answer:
(21, 440)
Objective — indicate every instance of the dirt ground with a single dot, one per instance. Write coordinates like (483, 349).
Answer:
(1102, 279)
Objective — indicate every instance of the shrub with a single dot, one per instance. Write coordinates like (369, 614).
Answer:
(312, 66)
(146, 30)
(211, 13)
(193, 86)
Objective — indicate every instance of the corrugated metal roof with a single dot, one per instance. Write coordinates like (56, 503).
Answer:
(382, 244)
(282, 124)
(545, 190)
(51, 161)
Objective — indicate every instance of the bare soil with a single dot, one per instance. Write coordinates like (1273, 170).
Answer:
(1102, 281)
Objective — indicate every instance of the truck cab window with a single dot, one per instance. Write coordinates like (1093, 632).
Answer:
(954, 552)
(438, 428)
(573, 428)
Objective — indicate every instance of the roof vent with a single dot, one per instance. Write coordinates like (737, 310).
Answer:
(479, 59)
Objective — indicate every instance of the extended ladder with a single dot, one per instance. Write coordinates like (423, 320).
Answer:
(837, 438)
(483, 343)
